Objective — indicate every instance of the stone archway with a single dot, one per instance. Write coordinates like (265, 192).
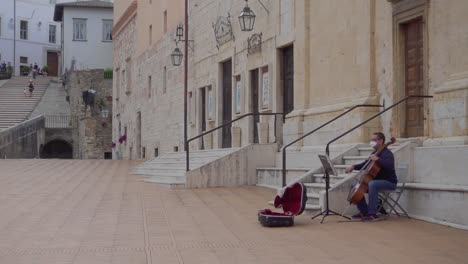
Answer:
(57, 149)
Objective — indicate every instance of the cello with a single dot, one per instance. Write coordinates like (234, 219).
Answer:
(367, 173)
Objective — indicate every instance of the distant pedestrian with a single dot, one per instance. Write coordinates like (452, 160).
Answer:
(35, 70)
(64, 80)
(31, 88)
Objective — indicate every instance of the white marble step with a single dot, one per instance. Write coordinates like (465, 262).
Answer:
(350, 160)
(170, 168)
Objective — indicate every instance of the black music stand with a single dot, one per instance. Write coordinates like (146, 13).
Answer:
(328, 170)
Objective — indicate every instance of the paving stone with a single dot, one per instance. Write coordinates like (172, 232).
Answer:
(96, 212)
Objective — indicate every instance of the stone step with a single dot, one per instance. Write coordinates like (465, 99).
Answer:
(183, 159)
(315, 187)
(318, 178)
(179, 175)
(165, 183)
(169, 168)
(171, 164)
(313, 198)
(341, 168)
(366, 151)
(15, 107)
(199, 153)
(350, 160)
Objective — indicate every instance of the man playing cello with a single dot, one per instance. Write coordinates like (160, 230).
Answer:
(385, 180)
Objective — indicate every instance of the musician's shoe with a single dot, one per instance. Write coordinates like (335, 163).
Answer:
(371, 218)
(382, 211)
(358, 216)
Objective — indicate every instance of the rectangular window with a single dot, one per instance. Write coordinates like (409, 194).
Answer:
(107, 30)
(129, 76)
(79, 29)
(150, 34)
(191, 109)
(23, 29)
(156, 152)
(52, 33)
(164, 79)
(149, 86)
(165, 21)
(24, 60)
(117, 83)
(123, 80)
(238, 94)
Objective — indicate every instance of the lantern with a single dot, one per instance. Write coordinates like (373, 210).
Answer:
(176, 57)
(247, 18)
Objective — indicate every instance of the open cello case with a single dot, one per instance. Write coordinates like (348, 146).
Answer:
(292, 199)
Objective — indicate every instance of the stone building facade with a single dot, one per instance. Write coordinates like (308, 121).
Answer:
(93, 137)
(315, 59)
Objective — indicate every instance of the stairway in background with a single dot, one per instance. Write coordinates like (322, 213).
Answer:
(15, 107)
(169, 168)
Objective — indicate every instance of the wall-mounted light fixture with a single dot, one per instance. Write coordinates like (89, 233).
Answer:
(177, 55)
(247, 17)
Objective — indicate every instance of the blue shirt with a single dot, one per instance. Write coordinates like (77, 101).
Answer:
(387, 162)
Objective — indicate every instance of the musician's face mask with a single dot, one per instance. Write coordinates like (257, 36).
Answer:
(373, 143)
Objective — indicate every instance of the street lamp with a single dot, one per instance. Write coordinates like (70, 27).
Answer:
(180, 32)
(247, 18)
(176, 57)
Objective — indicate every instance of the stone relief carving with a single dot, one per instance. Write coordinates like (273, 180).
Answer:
(223, 30)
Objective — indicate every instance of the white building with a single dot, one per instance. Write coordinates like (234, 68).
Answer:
(86, 34)
(37, 35)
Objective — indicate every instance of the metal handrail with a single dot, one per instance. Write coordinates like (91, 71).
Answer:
(327, 150)
(187, 148)
(61, 121)
(313, 131)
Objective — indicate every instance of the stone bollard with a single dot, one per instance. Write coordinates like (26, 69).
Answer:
(262, 132)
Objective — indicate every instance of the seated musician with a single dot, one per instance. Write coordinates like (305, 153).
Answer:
(386, 179)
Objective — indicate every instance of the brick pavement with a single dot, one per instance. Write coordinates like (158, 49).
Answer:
(74, 211)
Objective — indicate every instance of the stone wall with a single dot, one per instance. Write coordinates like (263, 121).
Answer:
(24, 140)
(356, 59)
(93, 137)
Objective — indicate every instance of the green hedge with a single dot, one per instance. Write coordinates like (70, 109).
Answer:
(108, 74)
(5, 75)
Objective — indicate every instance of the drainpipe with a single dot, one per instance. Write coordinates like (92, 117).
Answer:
(186, 76)
(14, 38)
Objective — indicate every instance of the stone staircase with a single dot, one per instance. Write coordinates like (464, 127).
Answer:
(316, 183)
(15, 107)
(169, 168)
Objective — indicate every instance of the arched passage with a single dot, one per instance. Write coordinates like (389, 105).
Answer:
(57, 149)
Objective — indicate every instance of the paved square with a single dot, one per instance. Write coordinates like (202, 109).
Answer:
(94, 211)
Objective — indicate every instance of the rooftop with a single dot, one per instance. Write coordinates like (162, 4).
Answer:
(58, 12)
(94, 211)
